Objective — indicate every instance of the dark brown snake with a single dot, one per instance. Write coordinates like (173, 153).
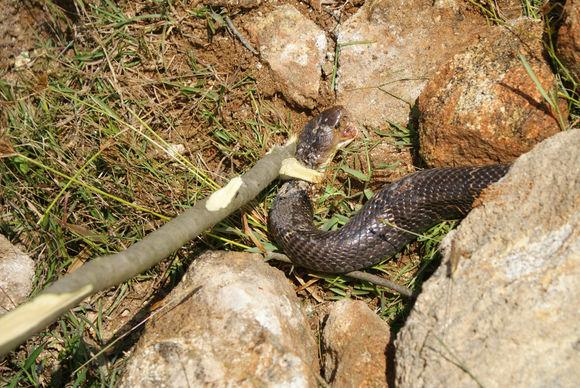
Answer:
(388, 221)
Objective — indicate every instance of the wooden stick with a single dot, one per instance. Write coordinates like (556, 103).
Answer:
(103, 272)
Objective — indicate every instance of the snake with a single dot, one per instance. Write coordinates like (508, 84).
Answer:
(388, 221)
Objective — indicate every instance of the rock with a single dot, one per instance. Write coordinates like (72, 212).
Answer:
(355, 344)
(294, 49)
(235, 321)
(508, 315)
(16, 275)
(569, 38)
(482, 107)
(388, 51)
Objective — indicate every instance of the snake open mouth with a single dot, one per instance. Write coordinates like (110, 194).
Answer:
(324, 135)
(345, 130)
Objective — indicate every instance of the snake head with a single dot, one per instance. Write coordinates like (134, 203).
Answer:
(323, 135)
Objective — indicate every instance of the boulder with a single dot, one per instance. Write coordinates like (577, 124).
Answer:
(482, 107)
(232, 321)
(502, 310)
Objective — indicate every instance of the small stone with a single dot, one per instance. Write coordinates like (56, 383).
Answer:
(294, 48)
(22, 60)
(174, 150)
(356, 344)
(16, 275)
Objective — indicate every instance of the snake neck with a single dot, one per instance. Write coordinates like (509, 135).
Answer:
(292, 206)
(291, 224)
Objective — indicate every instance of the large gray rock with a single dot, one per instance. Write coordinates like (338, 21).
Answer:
(236, 321)
(502, 310)
(16, 275)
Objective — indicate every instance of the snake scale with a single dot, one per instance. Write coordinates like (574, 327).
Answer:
(389, 220)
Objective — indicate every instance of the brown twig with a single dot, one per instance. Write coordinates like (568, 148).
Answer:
(379, 281)
(238, 35)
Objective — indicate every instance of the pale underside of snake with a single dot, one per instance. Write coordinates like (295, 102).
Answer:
(392, 218)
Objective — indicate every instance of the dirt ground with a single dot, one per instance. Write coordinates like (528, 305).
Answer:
(168, 56)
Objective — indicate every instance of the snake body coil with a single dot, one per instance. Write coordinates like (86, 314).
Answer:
(387, 222)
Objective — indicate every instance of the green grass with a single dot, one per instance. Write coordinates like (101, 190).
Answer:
(93, 126)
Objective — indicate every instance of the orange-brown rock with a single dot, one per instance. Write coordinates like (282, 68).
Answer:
(569, 38)
(482, 106)
(355, 344)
